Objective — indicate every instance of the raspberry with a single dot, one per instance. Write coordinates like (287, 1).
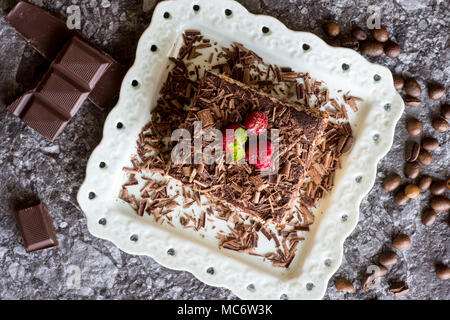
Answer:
(260, 161)
(256, 123)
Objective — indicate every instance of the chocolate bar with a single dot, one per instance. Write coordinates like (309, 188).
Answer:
(36, 227)
(48, 34)
(268, 198)
(62, 90)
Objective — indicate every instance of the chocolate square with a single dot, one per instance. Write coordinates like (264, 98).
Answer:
(240, 185)
(36, 227)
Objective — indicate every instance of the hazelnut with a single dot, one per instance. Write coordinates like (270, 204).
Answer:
(371, 48)
(388, 258)
(412, 88)
(401, 242)
(440, 204)
(400, 198)
(425, 158)
(343, 285)
(425, 182)
(430, 144)
(332, 29)
(412, 191)
(428, 217)
(392, 182)
(398, 82)
(440, 124)
(381, 34)
(445, 111)
(443, 272)
(359, 33)
(436, 91)
(391, 49)
(438, 187)
(414, 127)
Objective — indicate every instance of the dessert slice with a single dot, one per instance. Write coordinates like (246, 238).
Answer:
(221, 102)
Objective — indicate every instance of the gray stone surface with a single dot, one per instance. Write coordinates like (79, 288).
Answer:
(31, 167)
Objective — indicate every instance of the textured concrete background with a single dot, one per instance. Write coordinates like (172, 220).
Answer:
(31, 167)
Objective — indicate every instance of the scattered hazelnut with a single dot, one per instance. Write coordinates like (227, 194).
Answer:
(425, 158)
(398, 82)
(372, 48)
(428, 217)
(412, 88)
(401, 242)
(412, 170)
(443, 272)
(440, 124)
(414, 127)
(400, 198)
(425, 182)
(430, 144)
(440, 204)
(381, 34)
(412, 191)
(436, 91)
(359, 33)
(392, 182)
(445, 111)
(343, 285)
(438, 187)
(388, 258)
(392, 49)
(332, 29)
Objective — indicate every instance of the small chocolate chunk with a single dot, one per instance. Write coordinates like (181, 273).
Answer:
(412, 170)
(440, 204)
(372, 48)
(399, 288)
(430, 144)
(401, 242)
(425, 158)
(381, 34)
(400, 198)
(36, 227)
(391, 49)
(343, 285)
(440, 124)
(443, 272)
(438, 187)
(428, 217)
(445, 111)
(412, 191)
(414, 127)
(412, 102)
(359, 33)
(392, 182)
(412, 151)
(332, 29)
(349, 42)
(388, 258)
(398, 82)
(412, 88)
(436, 91)
(425, 182)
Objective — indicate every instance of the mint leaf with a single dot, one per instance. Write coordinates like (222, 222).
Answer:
(240, 135)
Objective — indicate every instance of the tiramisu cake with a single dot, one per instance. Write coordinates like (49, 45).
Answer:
(225, 104)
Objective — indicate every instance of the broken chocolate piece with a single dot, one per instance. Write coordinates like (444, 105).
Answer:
(36, 227)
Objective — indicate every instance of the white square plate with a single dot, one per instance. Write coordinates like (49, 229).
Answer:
(320, 254)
